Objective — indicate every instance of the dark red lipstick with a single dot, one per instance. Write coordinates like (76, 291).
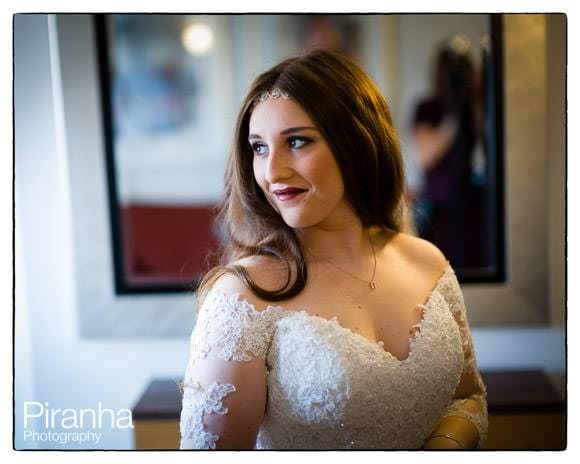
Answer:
(288, 193)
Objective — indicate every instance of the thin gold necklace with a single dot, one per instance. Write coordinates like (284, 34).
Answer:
(372, 283)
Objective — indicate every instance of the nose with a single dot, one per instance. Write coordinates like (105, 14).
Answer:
(278, 166)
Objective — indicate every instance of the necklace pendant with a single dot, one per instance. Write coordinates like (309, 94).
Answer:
(372, 284)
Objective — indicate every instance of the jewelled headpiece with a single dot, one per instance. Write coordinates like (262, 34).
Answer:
(272, 93)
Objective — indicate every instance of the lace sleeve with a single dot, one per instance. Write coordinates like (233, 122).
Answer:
(470, 399)
(224, 388)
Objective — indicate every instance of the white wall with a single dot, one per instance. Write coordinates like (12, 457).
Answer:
(72, 372)
(66, 371)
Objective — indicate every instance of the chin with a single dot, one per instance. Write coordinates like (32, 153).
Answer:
(298, 222)
(294, 224)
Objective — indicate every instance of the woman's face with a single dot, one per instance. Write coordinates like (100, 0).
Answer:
(290, 152)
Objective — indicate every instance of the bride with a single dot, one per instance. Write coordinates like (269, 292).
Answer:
(326, 326)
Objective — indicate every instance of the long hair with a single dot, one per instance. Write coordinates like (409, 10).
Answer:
(354, 119)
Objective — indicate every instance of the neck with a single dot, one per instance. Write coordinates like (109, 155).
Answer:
(348, 245)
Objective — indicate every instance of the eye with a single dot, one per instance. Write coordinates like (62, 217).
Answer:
(294, 142)
(259, 148)
(298, 142)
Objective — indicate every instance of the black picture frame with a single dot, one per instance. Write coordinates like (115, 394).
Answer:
(123, 286)
(495, 273)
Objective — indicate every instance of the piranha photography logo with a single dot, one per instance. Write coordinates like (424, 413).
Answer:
(65, 426)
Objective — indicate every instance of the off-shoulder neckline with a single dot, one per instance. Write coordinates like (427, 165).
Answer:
(334, 320)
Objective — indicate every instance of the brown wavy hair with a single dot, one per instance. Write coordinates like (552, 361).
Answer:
(354, 119)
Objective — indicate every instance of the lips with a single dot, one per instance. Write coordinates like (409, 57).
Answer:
(288, 193)
(289, 190)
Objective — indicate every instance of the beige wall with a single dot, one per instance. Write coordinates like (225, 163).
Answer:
(534, 163)
(534, 180)
(556, 59)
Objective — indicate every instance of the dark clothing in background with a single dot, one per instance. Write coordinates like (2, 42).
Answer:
(451, 209)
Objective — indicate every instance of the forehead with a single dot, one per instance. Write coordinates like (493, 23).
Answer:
(276, 114)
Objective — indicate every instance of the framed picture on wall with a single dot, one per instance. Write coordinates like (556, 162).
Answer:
(171, 87)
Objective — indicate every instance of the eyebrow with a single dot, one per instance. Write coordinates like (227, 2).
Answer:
(290, 130)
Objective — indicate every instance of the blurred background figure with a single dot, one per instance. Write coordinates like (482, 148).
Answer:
(450, 208)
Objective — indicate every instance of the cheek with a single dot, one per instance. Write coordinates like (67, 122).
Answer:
(258, 175)
(327, 176)
(260, 180)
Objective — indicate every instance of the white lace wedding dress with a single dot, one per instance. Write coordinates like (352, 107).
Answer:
(329, 387)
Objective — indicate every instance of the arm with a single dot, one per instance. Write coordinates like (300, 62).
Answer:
(465, 423)
(433, 142)
(225, 389)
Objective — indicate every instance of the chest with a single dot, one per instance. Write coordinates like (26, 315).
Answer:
(321, 373)
(391, 313)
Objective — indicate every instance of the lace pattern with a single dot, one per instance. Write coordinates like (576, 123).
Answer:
(480, 420)
(331, 388)
(451, 291)
(197, 402)
(233, 328)
(350, 392)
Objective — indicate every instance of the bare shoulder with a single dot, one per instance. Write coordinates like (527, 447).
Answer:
(266, 272)
(421, 253)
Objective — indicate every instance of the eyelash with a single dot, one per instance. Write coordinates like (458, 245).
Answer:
(305, 141)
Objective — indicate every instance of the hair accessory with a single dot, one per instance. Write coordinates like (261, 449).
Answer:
(273, 93)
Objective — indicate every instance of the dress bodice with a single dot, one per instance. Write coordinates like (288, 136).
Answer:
(329, 387)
